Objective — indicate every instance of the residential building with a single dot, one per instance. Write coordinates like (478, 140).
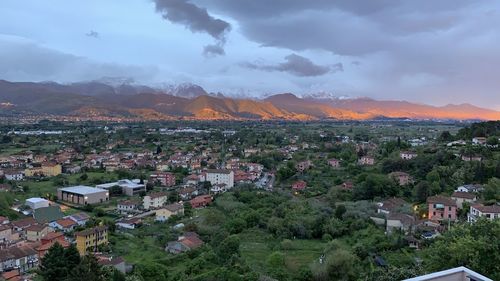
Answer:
(129, 187)
(470, 188)
(80, 218)
(407, 155)
(479, 141)
(22, 258)
(398, 221)
(49, 240)
(164, 179)
(116, 262)
(303, 165)
(90, 239)
(366, 160)
(21, 224)
(168, 211)
(13, 275)
(36, 202)
(391, 205)
(442, 208)
(335, 163)
(401, 178)
(188, 241)
(221, 177)
(463, 197)
(479, 210)
(218, 188)
(34, 233)
(200, 201)
(45, 169)
(66, 225)
(82, 195)
(47, 214)
(469, 158)
(187, 193)
(347, 186)
(454, 274)
(131, 223)
(154, 200)
(299, 185)
(5, 233)
(127, 206)
(13, 175)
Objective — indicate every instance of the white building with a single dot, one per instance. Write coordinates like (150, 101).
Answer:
(217, 177)
(125, 207)
(35, 203)
(154, 200)
(479, 141)
(479, 210)
(14, 175)
(408, 155)
(454, 274)
(129, 187)
(469, 188)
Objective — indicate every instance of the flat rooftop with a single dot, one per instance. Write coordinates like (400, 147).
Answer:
(36, 200)
(82, 189)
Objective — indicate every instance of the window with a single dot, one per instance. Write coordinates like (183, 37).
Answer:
(449, 216)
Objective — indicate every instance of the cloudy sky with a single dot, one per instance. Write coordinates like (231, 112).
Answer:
(426, 51)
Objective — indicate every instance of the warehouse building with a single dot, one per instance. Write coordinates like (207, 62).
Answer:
(82, 195)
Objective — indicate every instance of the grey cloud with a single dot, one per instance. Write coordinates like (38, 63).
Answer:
(298, 66)
(25, 60)
(195, 19)
(213, 50)
(93, 34)
(344, 27)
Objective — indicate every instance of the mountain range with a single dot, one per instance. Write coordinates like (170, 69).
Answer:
(190, 101)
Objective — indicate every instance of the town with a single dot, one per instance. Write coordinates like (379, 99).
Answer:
(248, 200)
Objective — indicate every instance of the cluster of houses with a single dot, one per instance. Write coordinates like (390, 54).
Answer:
(25, 241)
(441, 210)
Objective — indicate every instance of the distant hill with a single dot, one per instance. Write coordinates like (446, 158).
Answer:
(189, 101)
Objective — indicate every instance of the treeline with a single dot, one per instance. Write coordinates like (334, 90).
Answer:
(483, 129)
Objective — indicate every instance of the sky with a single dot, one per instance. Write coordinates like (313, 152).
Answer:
(426, 51)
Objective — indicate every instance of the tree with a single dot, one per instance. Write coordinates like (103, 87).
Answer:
(492, 140)
(151, 271)
(88, 269)
(276, 265)
(421, 191)
(337, 265)
(84, 177)
(53, 266)
(445, 136)
(394, 273)
(475, 246)
(71, 256)
(492, 190)
(340, 211)
(229, 247)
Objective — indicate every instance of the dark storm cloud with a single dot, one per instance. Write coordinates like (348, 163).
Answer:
(344, 27)
(196, 19)
(298, 66)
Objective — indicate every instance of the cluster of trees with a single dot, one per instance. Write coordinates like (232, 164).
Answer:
(483, 129)
(61, 264)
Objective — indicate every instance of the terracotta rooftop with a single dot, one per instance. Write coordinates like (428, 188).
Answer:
(441, 200)
(466, 195)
